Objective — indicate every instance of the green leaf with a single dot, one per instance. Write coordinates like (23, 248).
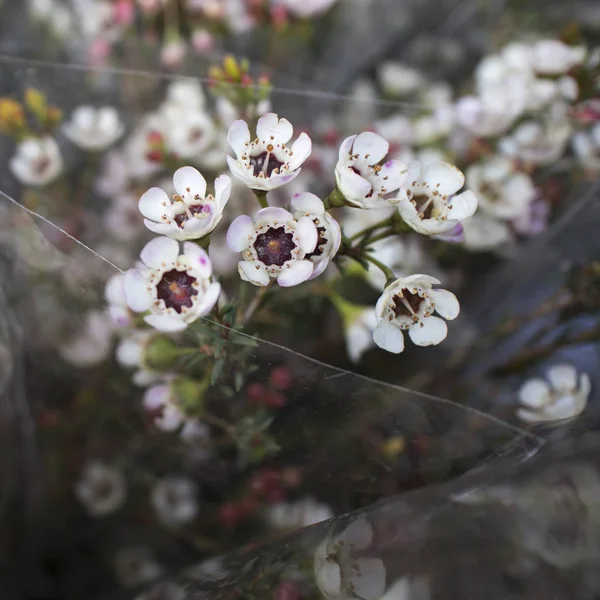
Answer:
(217, 370)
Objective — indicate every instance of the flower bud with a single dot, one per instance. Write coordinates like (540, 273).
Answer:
(161, 353)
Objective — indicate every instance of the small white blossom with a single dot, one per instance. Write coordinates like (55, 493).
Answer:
(187, 133)
(267, 163)
(286, 516)
(501, 190)
(114, 293)
(161, 398)
(398, 79)
(483, 233)
(175, 500)
(94, 129)
(586, 145)
(131, 353)
(92, 344)
(553, 57)
(273, 244)
(37, 161)
(101, 489)
(192, 214)
(176, 288)
(490, 115)
(186, 93)
(136, 566)
(563, 396)
(359, 176)
(429, 202)
(359, 325)
(409, 304)
(328, 230)
(343, 572)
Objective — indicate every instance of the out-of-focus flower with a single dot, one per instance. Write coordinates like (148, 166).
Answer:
(273, 244)
(187, 132)
(192, 214)
(160, 399)
(398, 79)
(295, 515)
(501, 190)
(173, 52)
(135, 566)
(563, 396)
(37, 161)
(114, 176)
(176, 288)
(305, 8)
(114, 293)
(537, 143)
(586, 145)
(101, 489)
(92, 344)
(488, 116)
(175, 500)
(534, 220)
(342, 571)
(553, 57)
(328, 230)
(94, 129)
(359, 176)
(202, 41)
(409, 304)
(482, 233)
(267, 163)
(429, 202)
(186, 93)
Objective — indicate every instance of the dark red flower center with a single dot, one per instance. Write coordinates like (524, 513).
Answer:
(274, 247)
(175, 288)
(181, 218)
(321, 241)
(258, 163)
(400, 307)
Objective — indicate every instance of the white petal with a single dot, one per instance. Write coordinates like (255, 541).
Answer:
(462, 206)
(562, 377)
(189, 180)
(136, 291)
(154, 203)
(528, 416)
(159, 251)
(446, 303)
(114, 292)
(157, 396)
(275, 181)
(129, 353)
(370, 146)
(534, 393)
(306, 202)
(565, 407)
(585, 386)
(222, 191)
(270, 128)
(299, 272)
(396, 173)
(241, 172)
(353, 187)
(198, 258)
(249, 272)
(208, 300)
(359, 534)
(346, 149)
(272, 214)
(307, 234)
(444, 177)
(165, 323)
(329, 579)
(238, 136)
(368, 579)
(240, 232)
(389, 337)
(164, 229)
(301, 150)
(430, 331)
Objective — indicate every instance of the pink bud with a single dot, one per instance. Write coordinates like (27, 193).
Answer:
(202, 41)
(124, 12)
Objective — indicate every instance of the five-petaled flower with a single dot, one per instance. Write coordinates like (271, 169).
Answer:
(100, 488)
(37, 161)
(409, 304)
(363, 181)
(328, 230)
(177, 289)
(429, 203)
(274, 244)
(94, 129)
(267, 163)
(191, 214)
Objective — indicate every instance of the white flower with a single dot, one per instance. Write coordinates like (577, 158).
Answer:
(173, 52)
(409, 304)
(359, 176)
(342, 572)
(174, 500)
(267, 163)
(114, 293)
(176, 288)
(490, 115)
(191, 214)
(274, 245)
(398, 79)
(135, 566)
(295, 515)
(501, 190)
(92, 344)
(131, 353)
(101, 489)
(586, 145)
(114, 175)
(565, 395)
(161, 398)
(187, 133)
(306, 8)
(186, 93)
(37, 161)
(483, 233)
(359, 325)
(553, 57)
(94, 128)
(328, 230)
(429, 202)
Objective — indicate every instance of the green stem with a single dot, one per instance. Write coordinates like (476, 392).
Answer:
(335, 199)
(389, 222)
(261, 196)
(380, 236)
(389, 274)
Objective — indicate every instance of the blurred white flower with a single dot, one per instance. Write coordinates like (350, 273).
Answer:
(175, 500)
(135, 566)
(286, 516)
(409, 304)
(586, 145)
(114, 176)
(223, 260)
(191, 214)
(92, 344)
(131, 353)
(490, 115)
(161, 399)
(343, 572)
(359, 325)
(482, 233)
(359, 176)
(305, 8)
(501, 190)
(122, 219)
(100, 488)
(37, 161)
(187, 132)
(267, 163)
(185, 93)
(563, 396)
(398, 79)
(173, 52)
(94, 129)
(273, 245)
(176, 288)
(553, 57)
(429, 203)
(328, 230)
